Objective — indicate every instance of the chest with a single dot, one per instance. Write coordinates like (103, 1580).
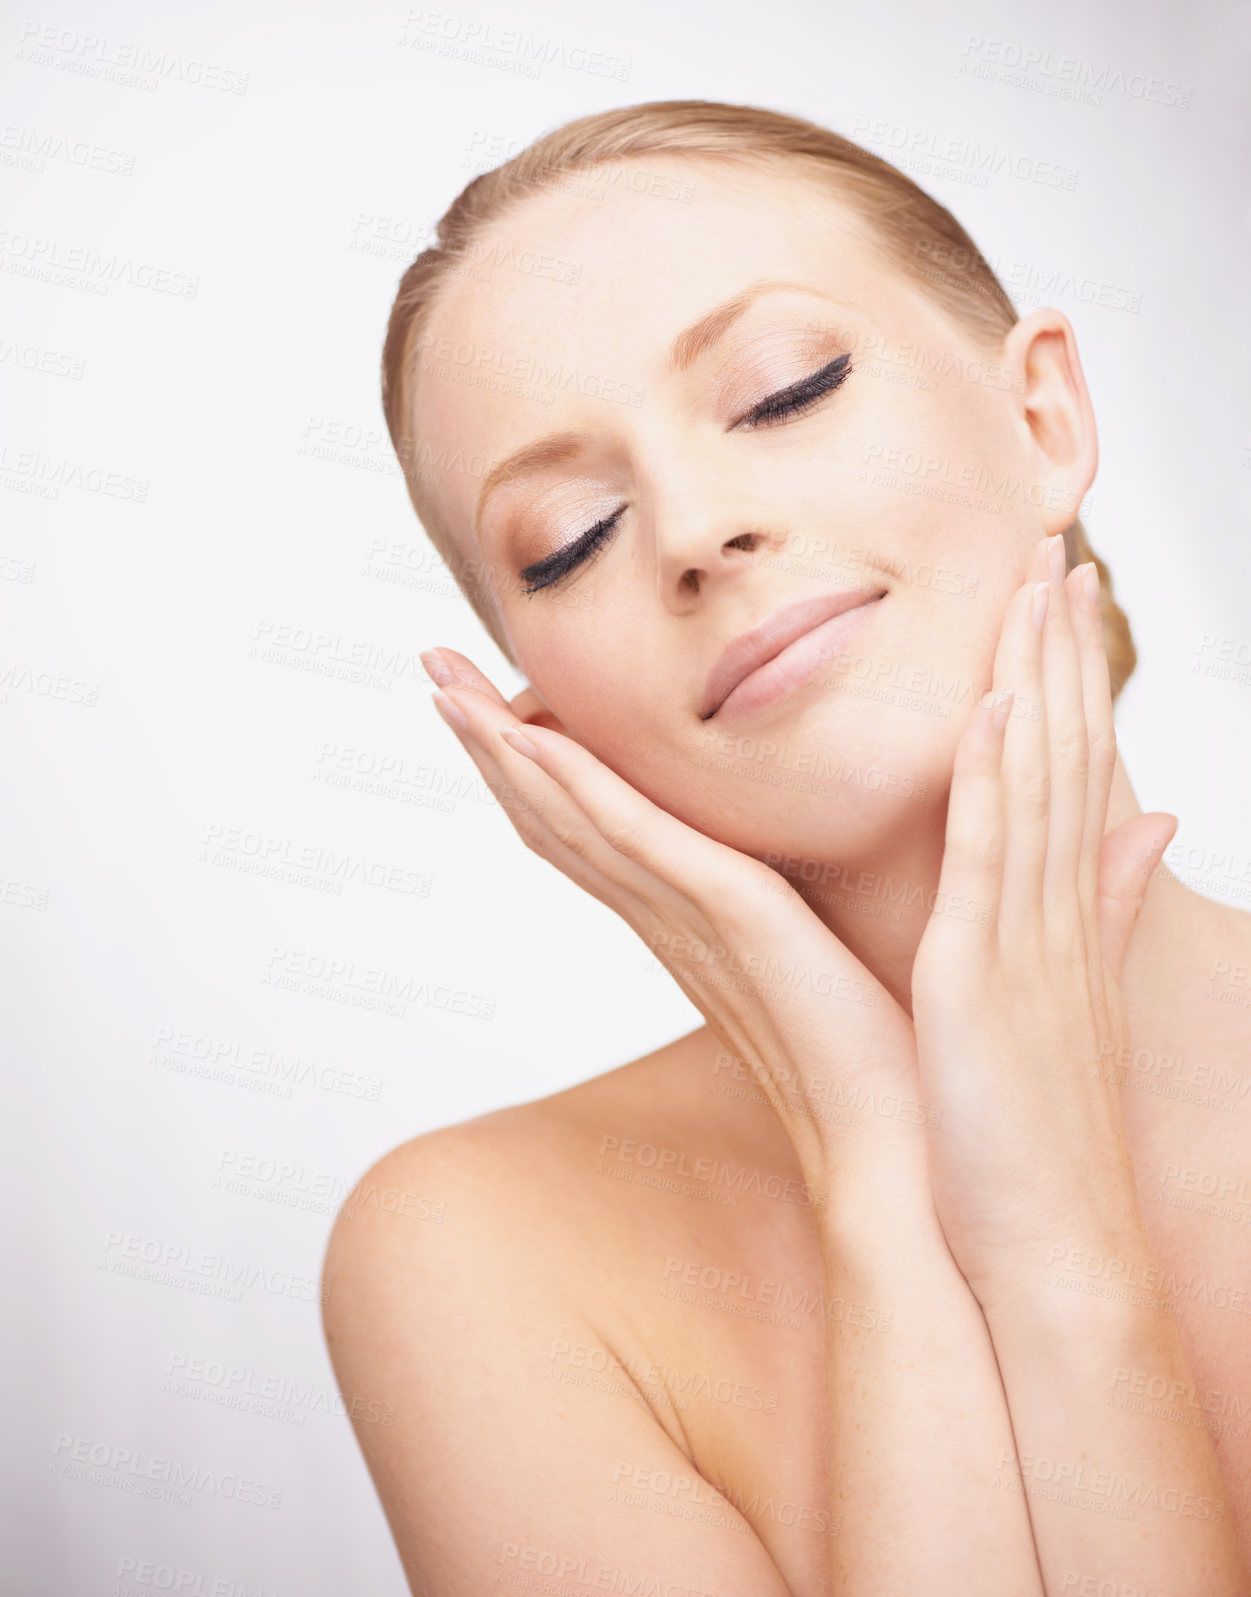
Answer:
(730, 1313)
(1194, 1182)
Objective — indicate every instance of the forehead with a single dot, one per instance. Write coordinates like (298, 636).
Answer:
(564, 310)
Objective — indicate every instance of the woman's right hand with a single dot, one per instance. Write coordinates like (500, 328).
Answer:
(825, 1042)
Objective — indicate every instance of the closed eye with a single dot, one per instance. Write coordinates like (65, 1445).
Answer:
(792, 401)
(799, 396)
(543, 573)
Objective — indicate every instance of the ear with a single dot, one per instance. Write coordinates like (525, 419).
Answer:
(528, 706)
(1062, 445)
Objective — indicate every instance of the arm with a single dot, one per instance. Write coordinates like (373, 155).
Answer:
(915, 1411)
(1030, 1163)
(452, 1343)
(1111, 1492)
(918, 1418)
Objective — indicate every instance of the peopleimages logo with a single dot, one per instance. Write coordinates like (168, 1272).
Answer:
(1068, 77)
(28, 255)
(132, 1470)
(693, 951)
(94, 55)
(149, 1575)
(970, 161)
(466, 39)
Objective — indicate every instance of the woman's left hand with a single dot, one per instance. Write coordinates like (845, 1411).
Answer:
(1018, 1013)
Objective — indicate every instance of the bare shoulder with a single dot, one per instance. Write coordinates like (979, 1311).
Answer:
(512, 1195)
(440, 1211)
(462, 1281)
(500, 1182)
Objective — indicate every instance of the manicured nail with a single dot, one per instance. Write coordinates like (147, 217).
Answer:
(1090, 583)
(1055, 557)
(520, 742)
(436, 667)
(450, 711)
(1042, 591)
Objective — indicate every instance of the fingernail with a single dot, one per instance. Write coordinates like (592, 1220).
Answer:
(520, 742)
(436, 667)
(1055, 558)
(450, 711)
(1042, 591)
(988, 698)
(1090, 582)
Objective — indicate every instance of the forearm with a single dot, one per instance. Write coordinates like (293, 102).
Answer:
(917, 1410)
(1126, 1495)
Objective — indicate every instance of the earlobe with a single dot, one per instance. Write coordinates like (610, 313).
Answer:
(529, 707)
(1056, 409)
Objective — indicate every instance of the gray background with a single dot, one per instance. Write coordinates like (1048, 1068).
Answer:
(197, 263)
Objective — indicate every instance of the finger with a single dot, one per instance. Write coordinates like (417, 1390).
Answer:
(558, 830)
(1068, 751)
(969, 882)
(1130, 854)
(600, 847)
(514, 800)
(723, 887)
(447, 668)
(453, 714)
(1026, 764)
(547, 820)
(629, 823)
(1100, 730)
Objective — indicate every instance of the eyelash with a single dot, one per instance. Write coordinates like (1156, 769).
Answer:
(792, 401)
(801, 396)
(545, 573)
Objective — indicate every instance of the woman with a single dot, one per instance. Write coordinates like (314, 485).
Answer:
(863, 1286)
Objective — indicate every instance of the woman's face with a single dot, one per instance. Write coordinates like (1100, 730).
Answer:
(785, 446)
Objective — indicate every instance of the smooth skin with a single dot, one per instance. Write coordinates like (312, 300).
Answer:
(604, 1373)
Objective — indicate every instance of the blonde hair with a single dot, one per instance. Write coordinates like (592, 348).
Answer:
(914, 233)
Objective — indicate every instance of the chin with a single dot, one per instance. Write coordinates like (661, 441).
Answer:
(848, 780)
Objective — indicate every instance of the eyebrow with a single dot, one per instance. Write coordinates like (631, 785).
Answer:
(687, 348)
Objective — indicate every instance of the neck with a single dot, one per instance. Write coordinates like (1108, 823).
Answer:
(879, 907)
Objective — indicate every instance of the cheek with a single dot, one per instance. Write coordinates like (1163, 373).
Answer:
(940, 466)
(590, 669)
(939, 654)
(614, 695)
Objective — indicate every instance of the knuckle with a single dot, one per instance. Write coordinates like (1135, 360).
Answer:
(1034, 793)
(977, 852)
(1072, 750)
(570, 835)
(1103, 747)
(627, 837)
(535, 840)
(1067, 950)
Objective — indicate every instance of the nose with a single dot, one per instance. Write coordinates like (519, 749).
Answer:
(703, 534)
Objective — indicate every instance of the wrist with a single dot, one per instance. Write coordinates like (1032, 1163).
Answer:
(1078, 1280)
(869, 1194)
(852, 1128)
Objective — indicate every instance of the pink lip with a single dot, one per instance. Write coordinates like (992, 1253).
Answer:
(739, 674)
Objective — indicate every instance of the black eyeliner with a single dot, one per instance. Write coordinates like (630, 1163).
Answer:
(546, 571)
(543, 573)
(830, 377)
